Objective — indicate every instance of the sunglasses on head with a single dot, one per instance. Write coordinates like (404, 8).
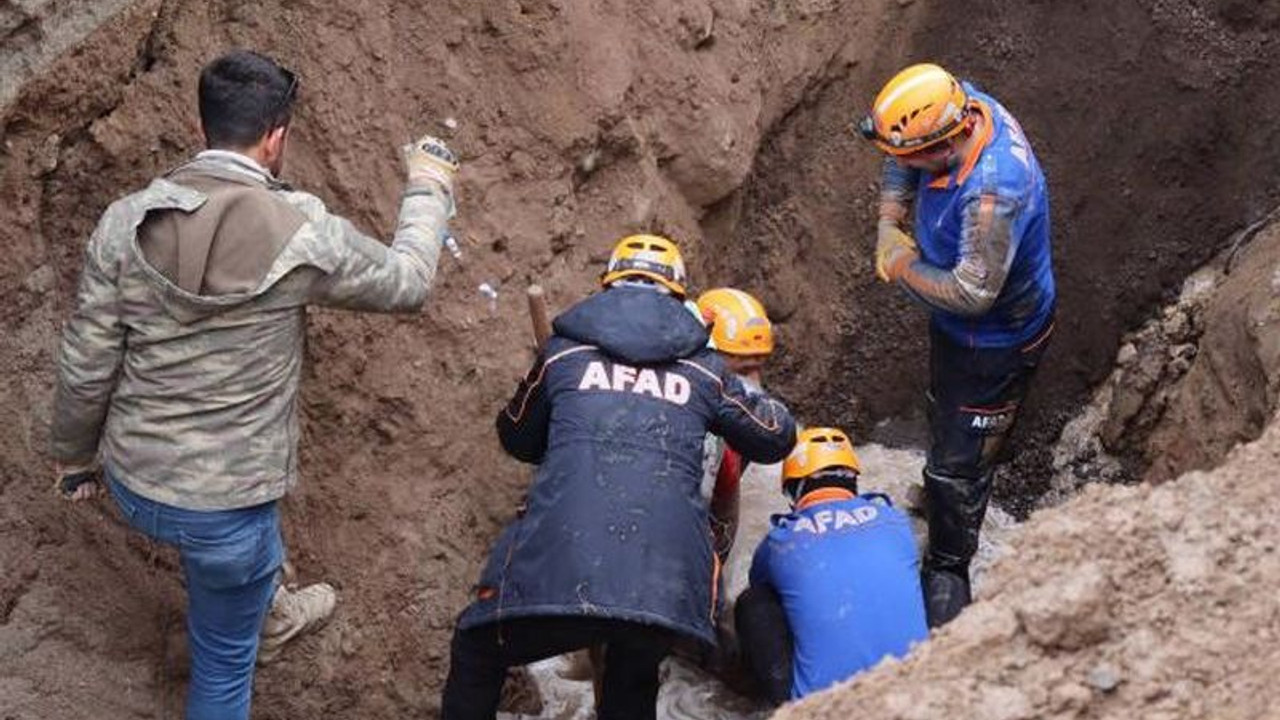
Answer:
(290, 93)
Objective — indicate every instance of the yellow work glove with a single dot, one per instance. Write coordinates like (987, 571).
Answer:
(429, 160)
(895, 251)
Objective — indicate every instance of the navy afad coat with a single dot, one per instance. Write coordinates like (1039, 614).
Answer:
(615, 412)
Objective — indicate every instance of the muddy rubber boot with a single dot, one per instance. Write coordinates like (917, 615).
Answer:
(293, 613)
(954, 509)
(946, 593)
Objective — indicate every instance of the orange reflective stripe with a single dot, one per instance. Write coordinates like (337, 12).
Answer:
(1040, 340)
(524, 401)
(986, 214)
(715, 584)
(714, 378)
(770, 426)
(1007, 407)
(971, 160)
(821, 495)
(984, 139)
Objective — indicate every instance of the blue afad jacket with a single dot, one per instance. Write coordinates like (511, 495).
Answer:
(615, 411)
(847, 572)
(1002, 185)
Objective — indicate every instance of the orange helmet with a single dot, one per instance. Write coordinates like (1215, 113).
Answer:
(819, 449)
(739, 325)
(921, 106)
(648, 256)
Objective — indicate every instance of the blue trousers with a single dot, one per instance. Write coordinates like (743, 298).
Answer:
(230, 559)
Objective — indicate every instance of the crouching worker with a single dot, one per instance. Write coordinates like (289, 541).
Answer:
(835, 586)
(613, 547)
(742, 334)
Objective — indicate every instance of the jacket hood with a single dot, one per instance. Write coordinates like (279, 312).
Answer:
(636, 325)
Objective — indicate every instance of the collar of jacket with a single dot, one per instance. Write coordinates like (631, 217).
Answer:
(823, 495)
(234, 162)
(942, 182)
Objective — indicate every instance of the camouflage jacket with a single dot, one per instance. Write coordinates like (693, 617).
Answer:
(181, 362)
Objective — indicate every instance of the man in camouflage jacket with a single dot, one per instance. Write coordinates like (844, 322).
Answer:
(179, 367)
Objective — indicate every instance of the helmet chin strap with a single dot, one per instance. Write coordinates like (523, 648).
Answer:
(797, 490)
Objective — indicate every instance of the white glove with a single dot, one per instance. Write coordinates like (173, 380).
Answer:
(429, 160)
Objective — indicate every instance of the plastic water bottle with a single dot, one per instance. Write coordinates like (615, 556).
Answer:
(451, 243)
(489, 292)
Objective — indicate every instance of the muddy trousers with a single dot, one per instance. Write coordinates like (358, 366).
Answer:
(229, 563)
(765, 638)
(481, 655)
(974, 398)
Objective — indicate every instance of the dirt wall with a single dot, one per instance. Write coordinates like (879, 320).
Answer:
(34, 33)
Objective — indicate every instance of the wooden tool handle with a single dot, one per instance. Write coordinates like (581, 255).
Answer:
(538, 315)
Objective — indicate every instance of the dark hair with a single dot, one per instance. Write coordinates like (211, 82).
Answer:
(243, 96)
(842, 478)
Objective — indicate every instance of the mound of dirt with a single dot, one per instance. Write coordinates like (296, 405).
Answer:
(1127, 602)
(1192, 383)
(1230, 391)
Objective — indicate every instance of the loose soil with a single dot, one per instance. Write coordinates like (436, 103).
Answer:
(721, 123)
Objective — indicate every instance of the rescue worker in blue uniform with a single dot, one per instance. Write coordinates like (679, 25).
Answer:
(979, 258)
(614, 546)
(835, 585)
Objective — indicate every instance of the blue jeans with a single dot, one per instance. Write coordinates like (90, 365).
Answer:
(230, 559)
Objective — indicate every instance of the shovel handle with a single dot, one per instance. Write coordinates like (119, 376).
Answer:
(538, 315)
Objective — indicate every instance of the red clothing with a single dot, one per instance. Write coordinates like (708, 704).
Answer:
(728, 476)
(724, 502)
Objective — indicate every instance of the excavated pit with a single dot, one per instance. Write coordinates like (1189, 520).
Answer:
(724, 124)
